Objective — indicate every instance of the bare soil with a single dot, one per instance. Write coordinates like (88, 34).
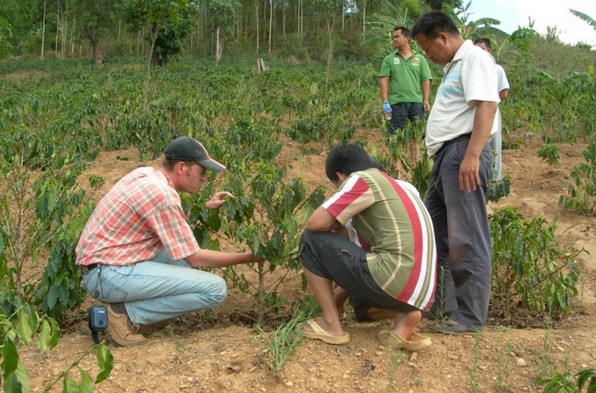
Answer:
(218, 351)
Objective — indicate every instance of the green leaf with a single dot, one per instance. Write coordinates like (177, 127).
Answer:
(10, 357)
(55, 333)
(105, 361)
(70, 386)
(45, 335)
(17, 381)
(86, 383)
(22, 376)
(52, 296)
(584, 376)
(23, 327)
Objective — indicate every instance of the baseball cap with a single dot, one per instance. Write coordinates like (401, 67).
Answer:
(188, 149)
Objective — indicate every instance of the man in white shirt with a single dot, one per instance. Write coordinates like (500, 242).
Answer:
(461, 121)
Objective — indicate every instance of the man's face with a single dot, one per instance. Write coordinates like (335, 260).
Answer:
(192, 177)
(399, 40)
(437, 50)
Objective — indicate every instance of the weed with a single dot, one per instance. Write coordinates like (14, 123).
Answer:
(281, 342)
(544, 354)
(96, 181)
(503, 370)
(473, 372)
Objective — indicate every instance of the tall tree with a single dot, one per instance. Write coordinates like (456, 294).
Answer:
(22, 17)
(96, 17)
(159, 16)
(171, 19)
(221, 15)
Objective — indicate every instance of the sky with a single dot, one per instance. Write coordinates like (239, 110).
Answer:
(545, 13)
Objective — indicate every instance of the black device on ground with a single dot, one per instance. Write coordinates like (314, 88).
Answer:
(98, 321)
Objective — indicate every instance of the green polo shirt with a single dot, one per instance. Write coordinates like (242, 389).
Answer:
(405, 77)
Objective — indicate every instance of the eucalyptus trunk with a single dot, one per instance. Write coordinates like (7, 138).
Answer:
(217, 46)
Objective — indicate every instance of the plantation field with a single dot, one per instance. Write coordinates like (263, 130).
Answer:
(69, 131)
(194, 354)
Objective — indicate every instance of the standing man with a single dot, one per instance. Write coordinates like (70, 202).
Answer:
(391, 271)
(139, 255)
(503, 88)
(458, 128)
(405, 82)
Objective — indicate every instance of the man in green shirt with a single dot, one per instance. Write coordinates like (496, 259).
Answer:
(405, 82)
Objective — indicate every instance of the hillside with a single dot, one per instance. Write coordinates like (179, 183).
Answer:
(216, 352)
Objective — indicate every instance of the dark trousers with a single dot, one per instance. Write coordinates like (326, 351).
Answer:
(462, 234)
(331, 256)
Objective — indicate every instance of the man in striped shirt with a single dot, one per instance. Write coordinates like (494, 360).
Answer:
(139, 255)
(394, 268)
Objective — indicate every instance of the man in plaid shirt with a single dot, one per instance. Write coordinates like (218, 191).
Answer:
(139, 254)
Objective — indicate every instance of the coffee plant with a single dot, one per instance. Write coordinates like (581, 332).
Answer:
(529, 269)
(266, 216)
(549, 153)
(581, 381)
(582, 193)
(19, 328)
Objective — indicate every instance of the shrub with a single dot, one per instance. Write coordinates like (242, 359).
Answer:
(529, 269)
(549, 153)
(582, 194)
(568, 382)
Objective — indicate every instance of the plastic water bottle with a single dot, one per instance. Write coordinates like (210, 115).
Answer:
(387, 110)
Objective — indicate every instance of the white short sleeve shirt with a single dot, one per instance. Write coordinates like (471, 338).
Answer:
(469, 78)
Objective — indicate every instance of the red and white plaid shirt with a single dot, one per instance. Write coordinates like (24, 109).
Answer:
(135, 221)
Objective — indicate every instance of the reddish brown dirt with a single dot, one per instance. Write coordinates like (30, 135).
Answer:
(192, 355)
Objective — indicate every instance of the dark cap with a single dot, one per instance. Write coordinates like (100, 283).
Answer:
(187, 149)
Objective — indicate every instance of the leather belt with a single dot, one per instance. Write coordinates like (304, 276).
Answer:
(449, 142)
(87, 268)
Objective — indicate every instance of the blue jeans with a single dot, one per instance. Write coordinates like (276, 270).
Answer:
(403, 112)
(462, 234)
(156, 290)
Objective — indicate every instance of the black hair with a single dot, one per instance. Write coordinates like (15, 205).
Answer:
(346, 159)
(404, 30)
(486, 42)
(432, 23)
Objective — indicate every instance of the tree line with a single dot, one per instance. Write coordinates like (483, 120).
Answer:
(75, 28)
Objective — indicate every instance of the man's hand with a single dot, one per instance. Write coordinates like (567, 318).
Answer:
(218, 199)
(468, 173)
(469, 178)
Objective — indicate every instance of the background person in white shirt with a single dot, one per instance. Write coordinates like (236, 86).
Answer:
(503, 88)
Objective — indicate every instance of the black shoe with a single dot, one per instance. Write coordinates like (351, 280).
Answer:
(452, 327)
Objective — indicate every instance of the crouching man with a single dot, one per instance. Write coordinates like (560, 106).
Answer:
(139, 255)
(392, 271)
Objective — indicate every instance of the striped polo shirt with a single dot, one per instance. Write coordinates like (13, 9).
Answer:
(395, 228)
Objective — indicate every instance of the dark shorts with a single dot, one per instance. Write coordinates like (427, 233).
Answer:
(402, 113)
(331, 256)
